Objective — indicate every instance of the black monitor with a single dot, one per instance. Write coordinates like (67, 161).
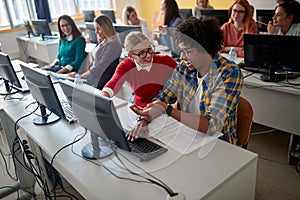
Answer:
(41, 27)
(42, 90)
(8, 73)
(185, 13)
(124, 30)
(29, 29)
(91, 32)
(96, 113)
(88, 15)
(272, 54)
(220, 15)
(110, 14)
(264, 16)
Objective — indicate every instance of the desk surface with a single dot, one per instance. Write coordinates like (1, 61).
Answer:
(196, 178)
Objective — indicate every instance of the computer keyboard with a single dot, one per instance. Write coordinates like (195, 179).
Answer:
(70, 117)
(146, 149)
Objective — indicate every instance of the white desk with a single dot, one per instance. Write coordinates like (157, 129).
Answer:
(274, 105)
(35, 47)
(227, 172)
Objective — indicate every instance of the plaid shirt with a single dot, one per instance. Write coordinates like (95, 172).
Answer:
(221, 90)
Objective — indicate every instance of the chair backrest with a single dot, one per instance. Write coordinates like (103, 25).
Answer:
(244, 121)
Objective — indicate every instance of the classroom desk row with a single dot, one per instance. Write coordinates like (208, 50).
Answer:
(226, 172)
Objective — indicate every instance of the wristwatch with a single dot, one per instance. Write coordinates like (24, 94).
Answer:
(169, 109)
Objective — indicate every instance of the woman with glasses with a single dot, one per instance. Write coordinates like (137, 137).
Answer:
(286, 20)
(71, 48)
(145, 71)
(240, 22)
(105, 56)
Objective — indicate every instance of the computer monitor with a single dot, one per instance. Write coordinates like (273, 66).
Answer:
(41, 27)
(124, 30)
(8, 73)
(91, 32)
(96, 113)
(264, 16)
(29, 29)
(185, 13)
(110, 14)
(42, 90)
(220, 15)
(88, 15)
(272, 54)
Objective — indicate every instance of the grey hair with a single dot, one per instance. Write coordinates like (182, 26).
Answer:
(132, 39)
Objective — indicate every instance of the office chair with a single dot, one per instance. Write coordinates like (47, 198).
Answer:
(244, 122)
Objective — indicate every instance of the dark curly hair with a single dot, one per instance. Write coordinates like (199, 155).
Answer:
(203, 34)
(292, 8)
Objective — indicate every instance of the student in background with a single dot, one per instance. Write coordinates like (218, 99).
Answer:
(71, 48)
(284, 1)
(286, 20)
(206, 85)
(130, 17)
(201, 5)
(172, 19)
(105, 56)
(240, 22)
(145, 71)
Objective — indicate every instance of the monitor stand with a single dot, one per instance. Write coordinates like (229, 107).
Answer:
(272, 76)
(44, 119)
(97, 149)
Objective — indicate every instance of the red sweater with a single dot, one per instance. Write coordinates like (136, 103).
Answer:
(235, 38)
(145, 85)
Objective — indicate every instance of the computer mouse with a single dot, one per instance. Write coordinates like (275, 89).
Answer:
(23, 77)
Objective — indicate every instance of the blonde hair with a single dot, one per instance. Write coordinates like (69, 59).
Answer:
(106, 26)
(132, 39)
(125, 14)
(248, 16)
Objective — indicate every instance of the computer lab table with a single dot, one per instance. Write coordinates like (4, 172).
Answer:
(226, 172)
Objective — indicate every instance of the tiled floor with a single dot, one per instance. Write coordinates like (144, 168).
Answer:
(276, 180)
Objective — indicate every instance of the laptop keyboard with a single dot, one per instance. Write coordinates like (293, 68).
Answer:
(70, 117)
(146, 149)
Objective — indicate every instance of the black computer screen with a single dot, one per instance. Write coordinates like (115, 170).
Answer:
(220, 15)
(124, 30)
(42, 90)
(7, 71)
(95, 112)
(264, 16)
(110, 14)
(185, 13)
(88, 15)
(41, 27)
(28, 28)
(262, 51)
(91, 32)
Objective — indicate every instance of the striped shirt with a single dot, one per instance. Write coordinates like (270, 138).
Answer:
(221, 90)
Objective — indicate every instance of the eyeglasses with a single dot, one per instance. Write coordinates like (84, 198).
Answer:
(186, 52)
(143, 54)
(64, 25)
(239, 11)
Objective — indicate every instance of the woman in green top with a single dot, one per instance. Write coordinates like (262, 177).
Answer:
(71, 50)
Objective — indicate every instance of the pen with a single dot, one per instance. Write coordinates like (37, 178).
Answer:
(262, 23)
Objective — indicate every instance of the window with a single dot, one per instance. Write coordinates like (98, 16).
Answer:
(13, 12)
(94, 4)
(4, 21)
(62, 7)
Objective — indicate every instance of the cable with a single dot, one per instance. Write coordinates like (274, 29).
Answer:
(157, 181)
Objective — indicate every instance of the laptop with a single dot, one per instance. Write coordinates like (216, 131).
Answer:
(98, 114)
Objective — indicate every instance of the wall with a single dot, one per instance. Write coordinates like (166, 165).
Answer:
(149, 8)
